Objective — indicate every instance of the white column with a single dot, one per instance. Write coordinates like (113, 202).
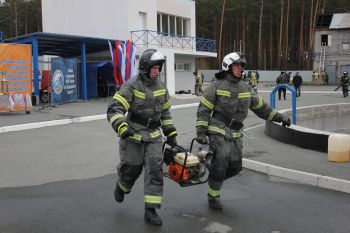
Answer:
(170, 72)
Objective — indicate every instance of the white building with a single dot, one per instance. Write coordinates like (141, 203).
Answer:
(167, 25)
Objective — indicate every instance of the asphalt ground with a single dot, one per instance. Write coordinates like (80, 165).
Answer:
(253, 203)
(60, 179)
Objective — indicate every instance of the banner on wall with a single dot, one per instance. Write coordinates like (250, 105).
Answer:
(15, 77)
(64, 80)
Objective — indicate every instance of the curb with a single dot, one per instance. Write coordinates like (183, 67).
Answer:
(295, 175)
(36, 125)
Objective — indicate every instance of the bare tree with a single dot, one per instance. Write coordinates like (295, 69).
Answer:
(313, 13)
(260, 53)
(280, 36)
(286, 37)
(271, 37)
(301, 35)
(242, 42)
(220, 34)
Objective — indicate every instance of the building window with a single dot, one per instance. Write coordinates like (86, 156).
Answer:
(326, 40)
(345, 46)
(173, 25)
(183, 67)
(158, 23)
(165, 23)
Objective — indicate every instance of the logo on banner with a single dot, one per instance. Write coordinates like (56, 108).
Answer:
(58, 82)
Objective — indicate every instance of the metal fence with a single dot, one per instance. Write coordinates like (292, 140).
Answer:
(146, 38)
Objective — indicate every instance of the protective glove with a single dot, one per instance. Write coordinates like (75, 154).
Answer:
(171, 141)
(286, 122)
(202, 139)
(128, 132)
(282, 118)
(169, 155)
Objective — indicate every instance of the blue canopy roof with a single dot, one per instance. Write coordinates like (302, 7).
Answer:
(63, 45)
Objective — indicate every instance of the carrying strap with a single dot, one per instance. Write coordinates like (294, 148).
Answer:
(148, 122)
(229, 122)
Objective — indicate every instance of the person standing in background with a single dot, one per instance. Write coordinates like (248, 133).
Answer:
(282, 79)
(297, 81)
(198, 90)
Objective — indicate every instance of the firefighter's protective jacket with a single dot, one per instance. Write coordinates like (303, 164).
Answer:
(230, 98)
(145, 98)
(345, 80)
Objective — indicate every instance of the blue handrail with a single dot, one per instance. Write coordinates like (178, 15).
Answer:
(294, 102)
(146, 38)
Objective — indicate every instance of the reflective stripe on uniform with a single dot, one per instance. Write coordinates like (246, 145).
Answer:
(167, 104)
(125, 190)
(171, 134)
(259, 105)
(244, 95)
(120, 127)
(136, 137)
(216, 129)
(271, 115)
(213, 192)
(153, 199)
(207, 103)
(122, 100)
(155, 134)
(167, 122)
(115, 117)
(159, 92)
(202, 123)
(223, 93)
(122, 131)
(236, 134)
(139, 94)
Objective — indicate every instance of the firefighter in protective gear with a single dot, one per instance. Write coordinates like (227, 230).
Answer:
(345, 83)
(220, 115)
(198, 90)
(254, 82)
(146, 101)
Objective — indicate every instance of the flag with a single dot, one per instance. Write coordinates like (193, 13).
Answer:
(124, 60)
(111, 50)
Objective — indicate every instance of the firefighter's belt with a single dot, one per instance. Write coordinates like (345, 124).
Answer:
(148, 122)
(229, 122)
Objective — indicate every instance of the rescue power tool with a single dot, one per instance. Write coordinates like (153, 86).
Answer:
(186, 167)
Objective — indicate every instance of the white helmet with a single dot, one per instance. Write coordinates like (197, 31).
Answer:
(149, 58)
(231, 58)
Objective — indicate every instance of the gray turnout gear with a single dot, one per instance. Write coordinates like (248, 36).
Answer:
(345, 80)
(147, 103)
(222, 110)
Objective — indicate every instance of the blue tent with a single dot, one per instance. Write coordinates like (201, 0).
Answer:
(103, 69)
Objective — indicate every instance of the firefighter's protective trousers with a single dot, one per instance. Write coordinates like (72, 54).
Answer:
(228, 159)
(135, 156)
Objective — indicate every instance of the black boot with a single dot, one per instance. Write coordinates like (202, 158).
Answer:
(152, 217)
(118, 193)
(214, 202)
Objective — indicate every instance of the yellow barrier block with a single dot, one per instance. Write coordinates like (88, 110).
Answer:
(339, 148)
